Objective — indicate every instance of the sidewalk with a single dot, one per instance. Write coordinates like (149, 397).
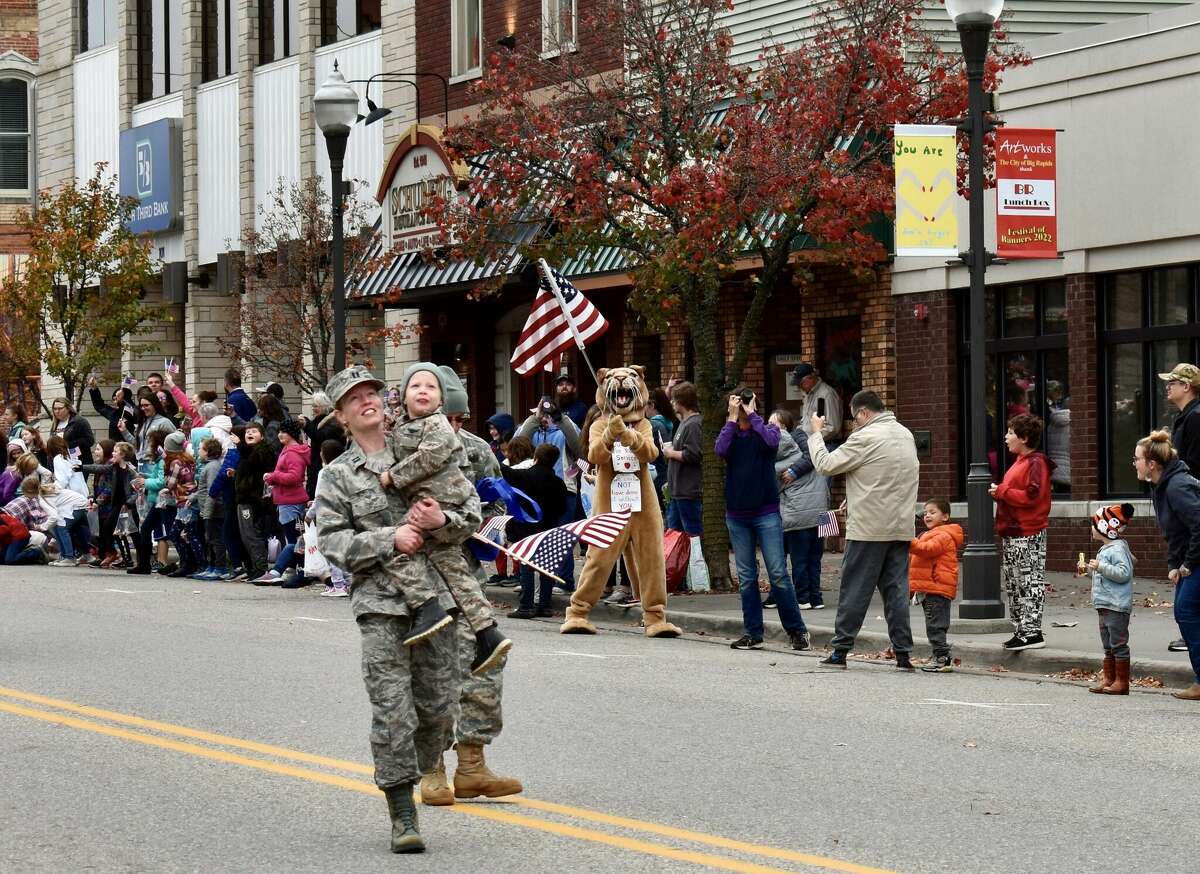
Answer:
(1067, 601)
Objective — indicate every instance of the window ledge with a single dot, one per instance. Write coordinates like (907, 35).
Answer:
(10, 196)
(569, 48)
(467, 76)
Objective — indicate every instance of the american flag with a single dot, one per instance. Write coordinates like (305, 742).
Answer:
(827, 525)
(550, 549)
(493, 525)
(547, 332)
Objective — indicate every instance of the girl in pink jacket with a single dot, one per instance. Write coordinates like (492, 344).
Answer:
(287, 480)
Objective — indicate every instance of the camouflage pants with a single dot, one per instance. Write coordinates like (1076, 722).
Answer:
(414, 697)
(1024, 574)
(480, 720)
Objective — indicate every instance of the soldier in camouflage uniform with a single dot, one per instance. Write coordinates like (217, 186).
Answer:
(414, 691)
(480, 720)
(427, 461)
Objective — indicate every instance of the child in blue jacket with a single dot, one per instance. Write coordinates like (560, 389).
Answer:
(1112, 595)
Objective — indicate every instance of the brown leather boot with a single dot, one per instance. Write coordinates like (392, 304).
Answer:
(472, 776)
(435, 789)
(1110, 674)
(1191, 693)
(1119, 686)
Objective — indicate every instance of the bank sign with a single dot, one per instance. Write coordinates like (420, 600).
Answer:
(151, 173)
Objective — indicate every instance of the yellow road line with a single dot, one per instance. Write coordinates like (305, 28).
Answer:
(356, 767)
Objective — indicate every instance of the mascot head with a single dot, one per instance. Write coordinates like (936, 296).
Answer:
(622, 391)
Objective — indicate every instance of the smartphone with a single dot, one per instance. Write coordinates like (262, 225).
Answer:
(821, 407)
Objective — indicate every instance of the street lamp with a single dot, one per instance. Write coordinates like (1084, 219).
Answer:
(336, 107)
(981, 561)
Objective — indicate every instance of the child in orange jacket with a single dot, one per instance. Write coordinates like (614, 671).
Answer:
(933, 578)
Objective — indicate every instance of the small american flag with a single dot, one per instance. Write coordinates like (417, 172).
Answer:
(550, 549)
(603, 530)
(827, 525)
(493, 525)
(549, 331)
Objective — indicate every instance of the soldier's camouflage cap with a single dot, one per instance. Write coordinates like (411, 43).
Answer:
(1188, 373)
(347, 379)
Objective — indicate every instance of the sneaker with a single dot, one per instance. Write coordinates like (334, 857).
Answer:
(747, 642)
(800, 640)
(166, 569)
(804, 606)
(63, 562)
(770, 603)
(1012, 641)
(904, 661)
(239, 576)
(835, 659)
(818, 606)
(208, 574)
(521, 614)
(509, 582)
(141, 571)
(1033, 641)
(1177, 646)
(490, 647)
(619, 598)
(228, 576)
(543, 612)
(429, 618)
(340, 592)
(85, 560)
(182, 571)
(938, 665)
(270, 578)
(295, 581)
(328, 591)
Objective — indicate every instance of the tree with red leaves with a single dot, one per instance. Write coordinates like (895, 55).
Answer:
(687, 164)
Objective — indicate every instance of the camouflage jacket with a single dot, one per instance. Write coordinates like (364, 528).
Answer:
(481, 462)
(356, 523)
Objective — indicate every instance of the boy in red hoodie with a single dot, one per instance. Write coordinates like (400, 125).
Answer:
(933, 578)
(1022, 514)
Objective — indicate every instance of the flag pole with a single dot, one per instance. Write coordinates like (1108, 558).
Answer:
(554, 289)
(516, 557)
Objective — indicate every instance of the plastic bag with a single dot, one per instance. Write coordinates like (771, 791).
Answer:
(697, 574)
(315, 564)
(676, 548)
(273, 547)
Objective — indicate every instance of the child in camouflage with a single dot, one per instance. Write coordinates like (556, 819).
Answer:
(429, 463)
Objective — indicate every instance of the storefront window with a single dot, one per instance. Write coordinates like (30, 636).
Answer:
(1026, 372)
(1150, 326)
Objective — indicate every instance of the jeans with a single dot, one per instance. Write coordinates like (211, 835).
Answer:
(868, 565)
(1187, 616)
(545, 589)
(231, 536)
(75, 537)
(684, 514)
(937, 622)
(63, 535)
(568, 517)
(804, 549)
(765, 532)
(19, 552)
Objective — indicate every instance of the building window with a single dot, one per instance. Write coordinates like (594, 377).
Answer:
(278, 29)
(1148, 325)
(97, 23)
(342, 19)
(466, 46)
(558, 26)
(14, 136)
(159, 47)
(218, 21)
(1027, 372)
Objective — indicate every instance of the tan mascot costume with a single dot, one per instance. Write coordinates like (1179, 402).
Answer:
(621, 446)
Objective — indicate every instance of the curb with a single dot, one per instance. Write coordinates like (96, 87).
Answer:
(1030, 661)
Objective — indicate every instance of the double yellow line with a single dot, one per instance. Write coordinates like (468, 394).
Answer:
(59, 712)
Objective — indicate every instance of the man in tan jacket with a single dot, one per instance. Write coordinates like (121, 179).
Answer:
(880, 462)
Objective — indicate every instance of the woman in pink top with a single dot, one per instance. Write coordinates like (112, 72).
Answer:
(287, 480)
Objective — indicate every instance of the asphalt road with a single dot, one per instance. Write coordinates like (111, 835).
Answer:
(636, 755)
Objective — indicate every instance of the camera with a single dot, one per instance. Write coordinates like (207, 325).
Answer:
(746, 396)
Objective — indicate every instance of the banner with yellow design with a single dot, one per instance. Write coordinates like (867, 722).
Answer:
(924, 157)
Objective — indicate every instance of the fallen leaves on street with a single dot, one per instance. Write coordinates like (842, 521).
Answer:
(1147, 682)
(998, 669)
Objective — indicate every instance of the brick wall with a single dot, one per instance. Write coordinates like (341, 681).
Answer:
(19, 27)
(520, 17)
(1085, 387)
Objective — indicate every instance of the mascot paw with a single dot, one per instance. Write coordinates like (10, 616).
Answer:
(577, 626)
(615, 429)
(663, 629)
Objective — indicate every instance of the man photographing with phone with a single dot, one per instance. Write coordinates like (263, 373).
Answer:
(820, 399)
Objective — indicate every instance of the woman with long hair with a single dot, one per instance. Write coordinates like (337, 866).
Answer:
(153, 420)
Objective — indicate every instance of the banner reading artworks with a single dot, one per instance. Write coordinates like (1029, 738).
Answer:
(926, 190)
(1026, 212)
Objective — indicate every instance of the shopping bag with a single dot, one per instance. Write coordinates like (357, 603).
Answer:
(675, 553)
(315, 565)
(697, 575)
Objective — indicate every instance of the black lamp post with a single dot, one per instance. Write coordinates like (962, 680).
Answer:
(336, 107)
(981, 561)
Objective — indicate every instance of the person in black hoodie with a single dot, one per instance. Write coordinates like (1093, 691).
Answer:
(121, 408)
(1176, 497)
(256, 459)
(547, 488)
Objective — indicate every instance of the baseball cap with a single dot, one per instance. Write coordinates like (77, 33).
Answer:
(802, 371)
(1188, 373)
(564, 377)
(347, 379)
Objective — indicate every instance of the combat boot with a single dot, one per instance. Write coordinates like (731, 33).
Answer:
(1110, 675)
(1119, 686)
(406, 838)
(472, 777)
(430, 618)
(490, 647)
(435, 790)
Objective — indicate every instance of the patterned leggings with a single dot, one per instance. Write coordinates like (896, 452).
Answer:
(1024, 573)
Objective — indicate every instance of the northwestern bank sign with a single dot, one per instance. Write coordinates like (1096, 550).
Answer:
(151, 173)
(417, 174)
